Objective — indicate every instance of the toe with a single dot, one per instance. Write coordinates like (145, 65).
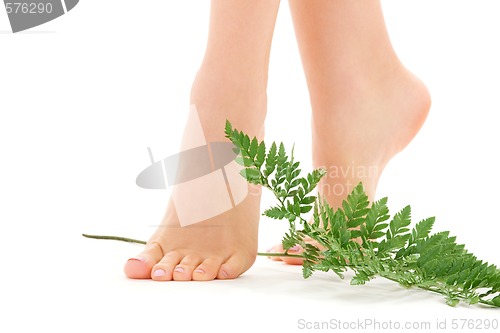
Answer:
(275, 249)
(163, 271)
(288, 260)
(184, 270)
(297, 249)
(234, 267)
(140, 266)
(208, 269)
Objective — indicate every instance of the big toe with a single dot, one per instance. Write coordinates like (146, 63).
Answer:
(139, 267)
(136, 268)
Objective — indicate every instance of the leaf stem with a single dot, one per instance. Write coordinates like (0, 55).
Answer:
(265, 254)
(131, 240)
(117, 238)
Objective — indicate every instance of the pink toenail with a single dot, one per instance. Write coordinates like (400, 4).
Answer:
(179, 269)
(159, 272)
(199, 270)
(271, 250)
(224, 274)
(139, 259)
(296, 248)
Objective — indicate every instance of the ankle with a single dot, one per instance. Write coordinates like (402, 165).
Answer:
(223, 97)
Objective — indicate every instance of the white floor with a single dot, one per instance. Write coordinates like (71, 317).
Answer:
(82, 97)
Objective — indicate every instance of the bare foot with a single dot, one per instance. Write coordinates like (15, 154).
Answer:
(222, 247)
(230, 85)
(224, 244)
(210, 228)
(359, 129)
(356, 137)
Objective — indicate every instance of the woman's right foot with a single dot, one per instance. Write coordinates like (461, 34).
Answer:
(223, 245)
(231, 85)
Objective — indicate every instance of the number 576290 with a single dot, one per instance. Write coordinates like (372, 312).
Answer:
(28, 8)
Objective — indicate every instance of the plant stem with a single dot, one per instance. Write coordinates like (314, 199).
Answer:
(265, 254)
(131, 240)
(122, 239)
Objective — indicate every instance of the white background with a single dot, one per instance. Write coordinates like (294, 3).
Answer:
(83, 96)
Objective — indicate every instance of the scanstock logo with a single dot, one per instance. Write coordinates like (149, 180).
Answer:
(26, 14)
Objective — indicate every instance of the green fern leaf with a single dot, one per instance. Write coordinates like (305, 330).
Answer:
(251, 175)
(355, 207)
(422, 229)
(399, 223)
(274, 213)
(261, 155)
(496, 301)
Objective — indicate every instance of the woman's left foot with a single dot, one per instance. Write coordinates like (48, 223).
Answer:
(358, 128)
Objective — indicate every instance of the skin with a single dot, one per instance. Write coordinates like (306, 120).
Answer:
(366, 107)
(230, 84)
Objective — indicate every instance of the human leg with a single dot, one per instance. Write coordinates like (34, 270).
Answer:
(366, 106)
(230, 84)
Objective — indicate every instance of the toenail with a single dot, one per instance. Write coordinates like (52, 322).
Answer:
(159, 272)
(295, 248)
(179, 269)
(138, 258)
(271, 250)
(199, 270)
(224, 274)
